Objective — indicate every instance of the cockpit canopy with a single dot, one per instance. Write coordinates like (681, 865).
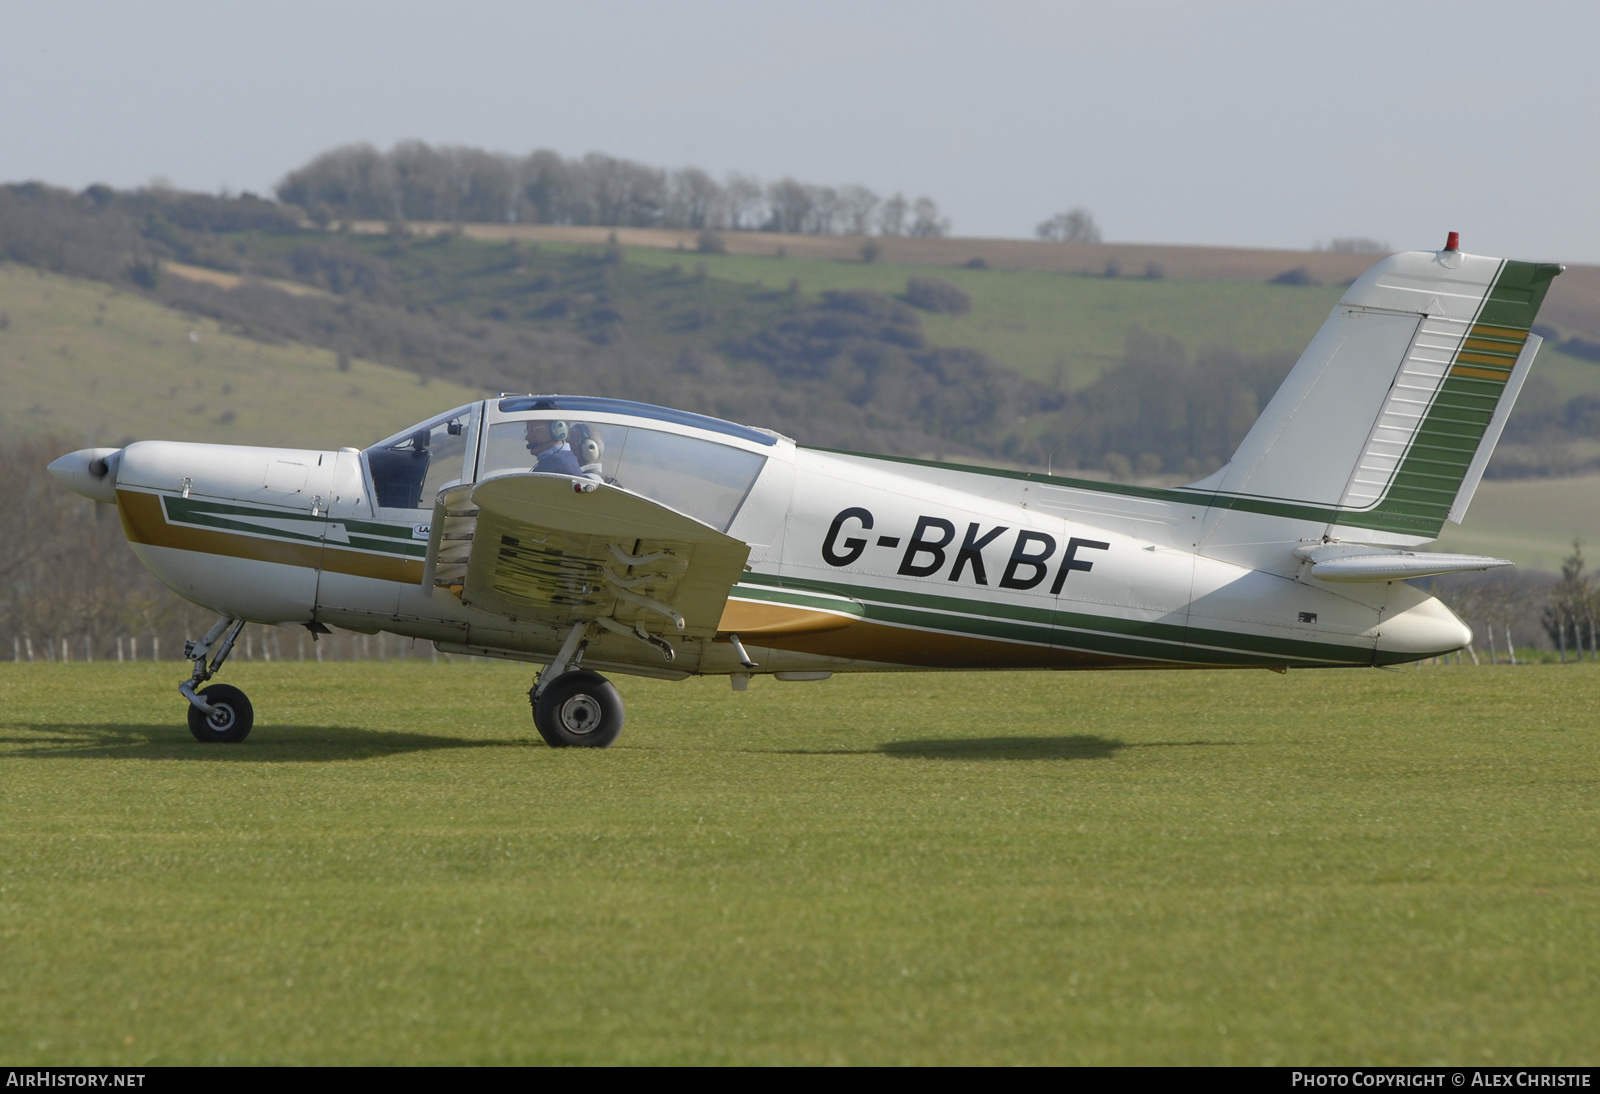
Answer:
(408, 470)
(700, 466)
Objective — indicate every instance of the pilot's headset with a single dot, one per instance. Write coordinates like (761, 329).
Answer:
(589, 448)
(558, 433)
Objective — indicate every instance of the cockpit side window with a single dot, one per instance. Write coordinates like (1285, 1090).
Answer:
(704, 479)
(407, 473)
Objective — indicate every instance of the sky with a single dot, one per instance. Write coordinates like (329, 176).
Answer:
(1224, 123)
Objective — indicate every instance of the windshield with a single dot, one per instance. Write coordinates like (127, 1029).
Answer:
(407, 473)
(704, 479)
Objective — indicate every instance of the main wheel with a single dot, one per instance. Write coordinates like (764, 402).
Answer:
(232, 718)
(579, 709)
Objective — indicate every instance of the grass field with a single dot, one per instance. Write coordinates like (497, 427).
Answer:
(1058, 327)
(1530, 521)
(1034, 321)
(1066, 328)
(1398, 867)
(1573, 304)
(82, 360)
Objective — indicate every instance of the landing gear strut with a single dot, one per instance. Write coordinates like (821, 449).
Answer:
(574, 708)
(220, 712)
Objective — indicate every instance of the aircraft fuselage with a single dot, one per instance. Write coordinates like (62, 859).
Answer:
(857, 563)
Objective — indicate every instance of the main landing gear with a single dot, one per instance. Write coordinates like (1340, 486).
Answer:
(220, 712)
(574, 708)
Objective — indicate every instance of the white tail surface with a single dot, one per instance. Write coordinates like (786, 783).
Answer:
(1388, 419)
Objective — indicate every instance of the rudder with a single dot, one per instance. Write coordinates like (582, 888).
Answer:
(1385, 424)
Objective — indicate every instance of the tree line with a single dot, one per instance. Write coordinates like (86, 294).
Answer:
(415, 181)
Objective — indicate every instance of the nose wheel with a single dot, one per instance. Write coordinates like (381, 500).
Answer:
(229, 720)
(578, 710)
(219, 713)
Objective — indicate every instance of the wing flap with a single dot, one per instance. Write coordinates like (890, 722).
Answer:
(557, 550)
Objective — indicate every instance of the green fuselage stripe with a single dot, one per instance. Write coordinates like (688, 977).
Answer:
(1061, 626)
(364, 535)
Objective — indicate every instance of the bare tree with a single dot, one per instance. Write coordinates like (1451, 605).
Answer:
(892, 216)
(825, 211)
(1570, 605)
(746, 209)
(1074, 226)
(790, 203)
(486, 186)
(926, 223)
(422, 185)
(544, 184)
(694, 200)
(857, 205)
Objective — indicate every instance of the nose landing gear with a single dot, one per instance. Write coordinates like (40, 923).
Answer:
(574, 708)
(578, 710)
(220, 712)
(230, 719)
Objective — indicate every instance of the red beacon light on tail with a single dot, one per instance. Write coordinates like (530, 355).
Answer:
(1452, 242)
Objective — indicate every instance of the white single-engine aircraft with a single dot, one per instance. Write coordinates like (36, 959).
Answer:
(592, 533)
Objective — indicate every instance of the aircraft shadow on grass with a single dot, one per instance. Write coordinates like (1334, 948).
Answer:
(1077, 747)
(1081, 747)
(298, 744)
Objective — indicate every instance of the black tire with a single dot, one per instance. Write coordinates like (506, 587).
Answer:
(579, 710)
(233, 718)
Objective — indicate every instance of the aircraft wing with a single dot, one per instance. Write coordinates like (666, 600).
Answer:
(557, 550)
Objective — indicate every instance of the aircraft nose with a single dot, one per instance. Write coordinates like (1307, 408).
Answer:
(91, 472)
(1422, 630)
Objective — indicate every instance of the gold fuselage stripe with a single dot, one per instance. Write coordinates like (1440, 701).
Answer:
(145, 521)
(761, 619)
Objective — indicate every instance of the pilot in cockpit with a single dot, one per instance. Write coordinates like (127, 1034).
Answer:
(547, 440)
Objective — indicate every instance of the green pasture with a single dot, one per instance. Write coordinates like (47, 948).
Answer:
(1057, 327)
(83, 360)
(1530, 521)
(1067, 328)
(1208, 867)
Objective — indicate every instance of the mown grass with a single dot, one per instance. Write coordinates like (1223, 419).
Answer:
(1159, 868)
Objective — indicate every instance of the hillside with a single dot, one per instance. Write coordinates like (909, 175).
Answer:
(1032, 356)
(1028, 321)
(1531, 522)
(86, 361)
(1573, 306)
(82, 360)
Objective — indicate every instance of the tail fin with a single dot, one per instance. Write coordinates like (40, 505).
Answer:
(1387, 421)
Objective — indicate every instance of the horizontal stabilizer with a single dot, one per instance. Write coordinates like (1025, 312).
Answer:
(1348, 562)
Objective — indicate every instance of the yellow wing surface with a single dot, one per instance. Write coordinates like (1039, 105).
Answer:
(555, 550)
